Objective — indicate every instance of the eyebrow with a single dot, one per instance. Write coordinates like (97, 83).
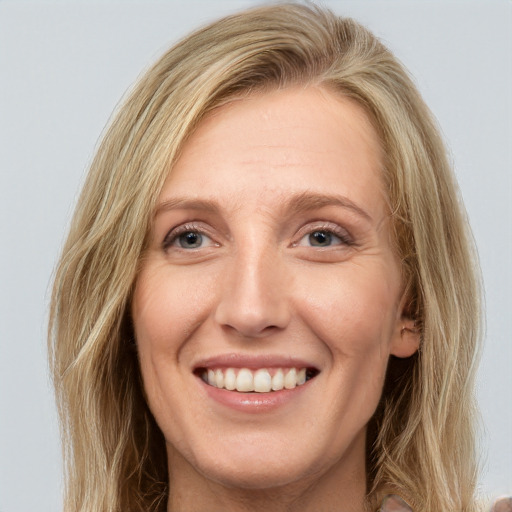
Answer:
(303, 202)
(307, 201)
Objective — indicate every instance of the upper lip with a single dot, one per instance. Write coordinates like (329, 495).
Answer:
(253, 362)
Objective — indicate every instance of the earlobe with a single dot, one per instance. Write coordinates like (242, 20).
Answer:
(406, 341)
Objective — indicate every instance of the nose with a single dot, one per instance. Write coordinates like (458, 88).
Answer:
(254, 291)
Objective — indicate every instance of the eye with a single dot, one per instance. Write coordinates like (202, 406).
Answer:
(186, 237)
(189, 240)
(324, 237)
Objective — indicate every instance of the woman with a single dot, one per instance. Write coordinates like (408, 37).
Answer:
(267, 299)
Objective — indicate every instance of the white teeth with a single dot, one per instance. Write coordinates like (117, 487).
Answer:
(290, 379)
(230, 379)
(244, 380)
(278, 380)
(260, 381)
(219, 378)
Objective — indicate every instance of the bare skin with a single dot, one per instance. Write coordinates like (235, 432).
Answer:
(394, 503)
(320, 494)
(271, 248)
(503, 505)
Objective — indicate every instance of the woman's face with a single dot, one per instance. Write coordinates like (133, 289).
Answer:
(270, 265)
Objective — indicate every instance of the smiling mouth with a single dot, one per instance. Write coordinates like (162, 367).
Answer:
(262, 380)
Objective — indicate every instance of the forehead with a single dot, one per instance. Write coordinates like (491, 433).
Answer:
(280, 143)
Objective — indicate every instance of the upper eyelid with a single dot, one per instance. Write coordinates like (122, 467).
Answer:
(318, 224)
(323, 225)
(173, 233)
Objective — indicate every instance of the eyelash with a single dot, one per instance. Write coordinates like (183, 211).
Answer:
(332, 229)
(173, 235)
(328, 228)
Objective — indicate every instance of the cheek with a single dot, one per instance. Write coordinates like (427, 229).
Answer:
(355, 314)
(168, 306)
(355, 310)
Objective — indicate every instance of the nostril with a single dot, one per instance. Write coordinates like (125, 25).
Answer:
(250, 328)
(251, 305)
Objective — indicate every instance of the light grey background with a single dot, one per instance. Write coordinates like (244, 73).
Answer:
(64, 66)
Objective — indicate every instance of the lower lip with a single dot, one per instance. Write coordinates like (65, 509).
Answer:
(254, 402)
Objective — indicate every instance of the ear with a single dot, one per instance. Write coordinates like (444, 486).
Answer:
(406, 340)
(407, 335)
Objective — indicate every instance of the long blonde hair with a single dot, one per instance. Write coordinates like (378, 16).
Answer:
(421, 439)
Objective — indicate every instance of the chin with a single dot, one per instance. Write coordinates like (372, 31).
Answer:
(260, 464)
(258, 476)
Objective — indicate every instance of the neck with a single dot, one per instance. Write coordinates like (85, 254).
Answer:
(340, 488)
